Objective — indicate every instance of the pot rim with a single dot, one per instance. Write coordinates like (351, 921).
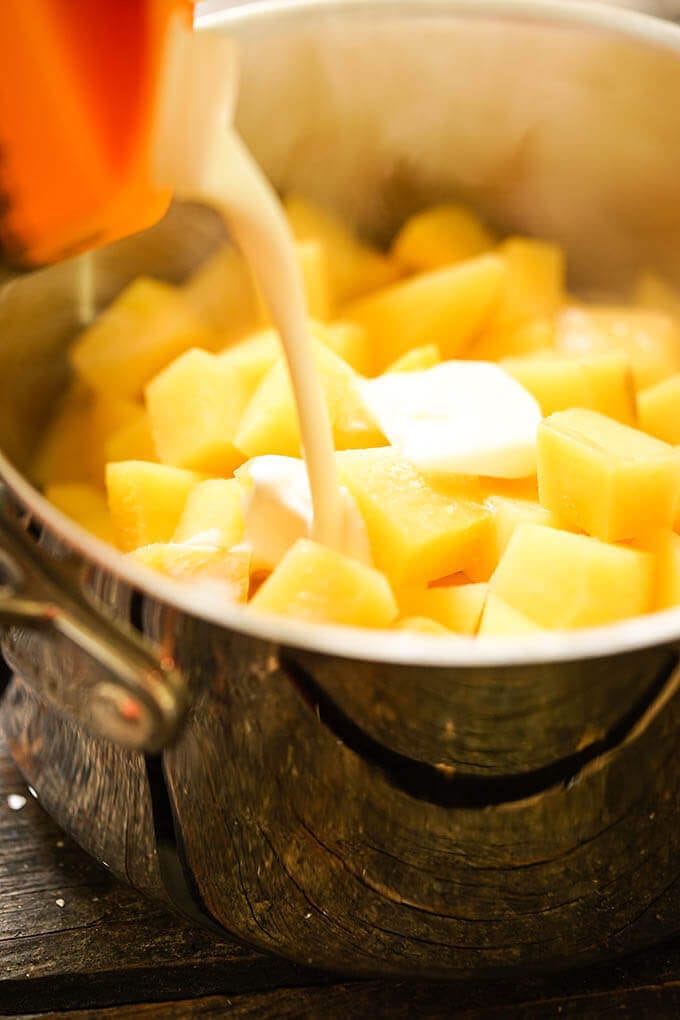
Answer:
(389, 647)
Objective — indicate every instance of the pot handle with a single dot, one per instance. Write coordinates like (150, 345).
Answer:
(136, 696)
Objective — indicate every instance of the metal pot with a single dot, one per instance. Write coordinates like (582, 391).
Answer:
(375, 803)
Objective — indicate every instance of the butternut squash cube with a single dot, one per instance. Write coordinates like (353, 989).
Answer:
(213, 512)
(457, 607)
(194, 406)
(417, 359)
(228, 567)
(446, 307)
(354, 267)
(270, 424)
(501, 620)
(147, 326)
(659, 410)
(602, 382)
(318, 584)
(649, 339)
(422, 625)
(440, 236)
(605, 478)
(564, 581)
(146, 501)
(85, 504)
(417, 534)
(223, 294)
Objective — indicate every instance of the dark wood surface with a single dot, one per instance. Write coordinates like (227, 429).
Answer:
(76, 943)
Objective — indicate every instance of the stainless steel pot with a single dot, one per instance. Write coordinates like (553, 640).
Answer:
(376, 803)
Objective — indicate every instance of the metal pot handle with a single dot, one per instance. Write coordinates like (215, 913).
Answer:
(136, 697)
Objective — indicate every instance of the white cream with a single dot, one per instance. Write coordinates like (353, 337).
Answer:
(460, 417)
(277, 509)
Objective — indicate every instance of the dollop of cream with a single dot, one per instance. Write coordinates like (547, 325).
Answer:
(459, 417)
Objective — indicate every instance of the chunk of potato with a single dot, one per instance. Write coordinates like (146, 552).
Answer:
(509, 514)
(146, 501)
(270, 424)
(348, 340)
(85, 504)
(501, 620)
(439, 236)
(195, 405)
(446, 307)
(422, 625)
(354, 267)
(659, 410)
(417, 359)
(147, 326)
(513, 339)
(417, 534)
(601, 382)
(315, 583)
(64, 453)
(605, 478)
(228, 567)
(564, 581)
(223, 294)
(213, 509)
(132, 441)
(649, 339)
(664, 545)
(457, 607)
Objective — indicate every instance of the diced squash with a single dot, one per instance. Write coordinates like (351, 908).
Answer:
(416, 533)
(664, 545)
(422, 625)
(229, 567)
(417, 359)
(563, 581)
(457, 607)
(146, 501)
(348, 340)
(501, 620)
(194, 406)
(148, 324)
(439, 236)
(133, 441)
(649, 339)
(602, 382)
(223, 294)
(213, 508)
(270, 424)
(509, 514)
(85, 503)
(659, 410)
(315, 583)
(653, 292)
(354, 268)
(446, 307)
(64, 453)
(605, 478)
(513, 339)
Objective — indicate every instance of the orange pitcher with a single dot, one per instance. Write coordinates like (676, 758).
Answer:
(77, 91)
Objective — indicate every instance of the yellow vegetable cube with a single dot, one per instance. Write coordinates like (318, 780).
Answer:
(501, 620)
(64, 453)
(417, 534)
(513, 339)
(229, 567)
(534, 285)
(649, 339)
(223, 294)
(109, 414)
(194, 406)
(664, 545)
(85, 504)
(315, 583)
(446, 307)
(270, 425)
(312, 261)
(348, 340)
(422, 625)
(133, 441)
(509, 514)
(213, 508)
(354, 268)
(602, 382)
(457, 607)
(417, 359)
(146, 501)
(565, 581)
(250, 359)
(148, 324)
(605, 478)
(659, 410)
(440, 236)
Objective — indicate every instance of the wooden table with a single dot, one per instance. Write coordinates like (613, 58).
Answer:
(74, 942)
